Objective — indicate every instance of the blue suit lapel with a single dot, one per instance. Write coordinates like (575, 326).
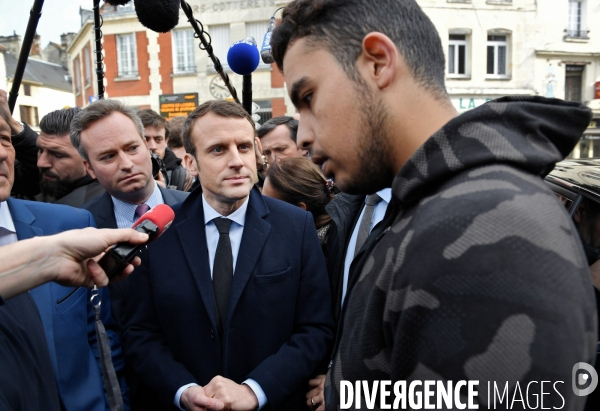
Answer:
(256, 232)
(23, 220)
(192, 235)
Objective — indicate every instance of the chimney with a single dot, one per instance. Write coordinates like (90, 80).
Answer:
(12, 43)
(36, 47)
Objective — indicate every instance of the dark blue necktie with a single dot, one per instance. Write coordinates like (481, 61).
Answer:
(222, 270)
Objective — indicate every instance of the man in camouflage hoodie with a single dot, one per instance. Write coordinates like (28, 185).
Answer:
(477, 272)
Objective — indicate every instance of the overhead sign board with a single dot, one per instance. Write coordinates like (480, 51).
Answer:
(173, 105)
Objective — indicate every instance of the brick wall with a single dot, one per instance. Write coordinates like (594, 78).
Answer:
(166, 62)
(127, 88)
(279, 108)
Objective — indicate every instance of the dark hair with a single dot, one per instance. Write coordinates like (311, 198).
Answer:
(222, 108)
(175, 130)
(151, 118)
(97, 111)
(298, 180)
(290, 122)
(58, 122)
(341, 25)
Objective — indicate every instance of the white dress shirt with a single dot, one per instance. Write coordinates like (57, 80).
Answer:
(125, 212)
(238, 218)
(378, 214)
(8, 232)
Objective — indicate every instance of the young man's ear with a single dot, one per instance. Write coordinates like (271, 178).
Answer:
(379, 60)
(302, 205)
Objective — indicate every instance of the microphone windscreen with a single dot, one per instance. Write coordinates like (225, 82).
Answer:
(117, 2)
(243, 56)
(162, 215)
(158, 15)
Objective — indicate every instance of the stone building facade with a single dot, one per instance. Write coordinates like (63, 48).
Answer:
(141, 65)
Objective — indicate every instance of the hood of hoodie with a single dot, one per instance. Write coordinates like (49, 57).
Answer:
(527, 132)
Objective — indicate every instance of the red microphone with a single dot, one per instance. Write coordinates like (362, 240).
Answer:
(154, 223)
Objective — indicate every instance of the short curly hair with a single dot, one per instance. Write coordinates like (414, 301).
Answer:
(341, 25)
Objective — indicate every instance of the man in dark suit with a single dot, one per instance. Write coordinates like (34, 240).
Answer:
(110, 138)
(230, 307)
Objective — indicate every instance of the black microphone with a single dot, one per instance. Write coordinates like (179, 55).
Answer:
(154, 223)
(157, 15)
(266, 51)
(243, 59)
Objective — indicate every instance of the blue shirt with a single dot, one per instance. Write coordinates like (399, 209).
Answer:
(378, 214)
(238, 218)
(125, 212)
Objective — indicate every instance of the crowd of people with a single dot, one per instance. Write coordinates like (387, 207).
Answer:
(429, 258)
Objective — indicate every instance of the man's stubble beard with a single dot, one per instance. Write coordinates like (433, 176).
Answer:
(59, 188)
(375, 170)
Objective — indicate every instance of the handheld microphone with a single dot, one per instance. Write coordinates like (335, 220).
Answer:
(243, 59)
(266, 51)
(154, 223)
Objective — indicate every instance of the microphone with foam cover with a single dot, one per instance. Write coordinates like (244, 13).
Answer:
(243, 56)
(153, 223)
(118, 2)
(157, 15)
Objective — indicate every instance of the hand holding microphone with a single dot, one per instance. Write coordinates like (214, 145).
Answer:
(153, 223)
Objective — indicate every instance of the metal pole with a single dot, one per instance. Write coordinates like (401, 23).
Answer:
(34, 17)
(99, 58)
(207, 46)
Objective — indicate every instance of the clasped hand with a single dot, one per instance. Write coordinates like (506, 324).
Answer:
(219, 394)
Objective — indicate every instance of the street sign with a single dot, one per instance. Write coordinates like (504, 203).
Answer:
(174, 105)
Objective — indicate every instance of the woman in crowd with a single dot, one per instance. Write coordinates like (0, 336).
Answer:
(300, 182)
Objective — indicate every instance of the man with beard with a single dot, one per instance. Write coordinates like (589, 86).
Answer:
(477, 272)
(63, 176)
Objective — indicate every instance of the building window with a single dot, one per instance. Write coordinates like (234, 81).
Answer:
(27, 89)
(77, 76)
(29, 115)
(86, 64)
(127, 55)
(183, 51)
(457, 56)
(573, 81)
(497, 56)
(220, 41)
(575, 25)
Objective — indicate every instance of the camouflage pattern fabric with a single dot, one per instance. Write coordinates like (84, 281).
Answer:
(478, 273)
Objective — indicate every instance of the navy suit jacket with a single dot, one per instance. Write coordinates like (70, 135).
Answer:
(279, 326)
(102, 207)
(69, 325)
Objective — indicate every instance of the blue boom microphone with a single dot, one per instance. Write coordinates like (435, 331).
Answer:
(243, 58)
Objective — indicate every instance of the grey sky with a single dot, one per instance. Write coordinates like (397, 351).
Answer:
(58, 16)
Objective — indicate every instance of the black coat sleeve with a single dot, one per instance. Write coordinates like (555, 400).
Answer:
(26, 171)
